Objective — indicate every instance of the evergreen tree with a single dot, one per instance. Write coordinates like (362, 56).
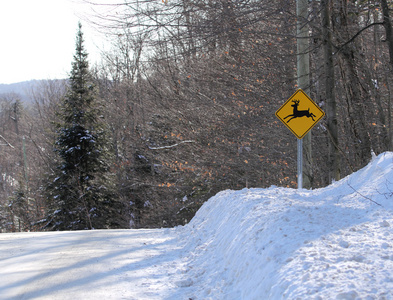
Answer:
(81, 195)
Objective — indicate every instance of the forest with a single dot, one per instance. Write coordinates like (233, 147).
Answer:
(183, 106)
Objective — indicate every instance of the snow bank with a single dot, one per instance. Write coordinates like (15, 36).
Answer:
(279, 243)
(275, 243)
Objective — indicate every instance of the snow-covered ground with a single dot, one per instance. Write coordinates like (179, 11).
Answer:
(275, 243)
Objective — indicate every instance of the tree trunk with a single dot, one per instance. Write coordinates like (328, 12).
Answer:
(331, 110)
(354, 94)
(389, 39)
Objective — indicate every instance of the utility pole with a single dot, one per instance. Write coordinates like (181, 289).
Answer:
(303, 80)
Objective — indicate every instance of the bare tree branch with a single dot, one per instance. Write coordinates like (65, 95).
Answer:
(357, 192)
(171, 146)
(8, 144)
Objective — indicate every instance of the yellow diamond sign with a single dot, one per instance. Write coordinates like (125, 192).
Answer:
(299, 113)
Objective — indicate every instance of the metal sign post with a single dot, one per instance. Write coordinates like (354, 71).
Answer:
(299, 113)
(299, 163)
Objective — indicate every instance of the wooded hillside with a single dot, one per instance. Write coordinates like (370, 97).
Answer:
(188, 96)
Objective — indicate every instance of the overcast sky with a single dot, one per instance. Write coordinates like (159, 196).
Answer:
(38, 38)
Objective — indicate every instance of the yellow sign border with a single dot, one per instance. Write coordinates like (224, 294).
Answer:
(290, 99)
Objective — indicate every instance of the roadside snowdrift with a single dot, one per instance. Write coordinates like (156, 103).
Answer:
(275, 243)
(279, 243)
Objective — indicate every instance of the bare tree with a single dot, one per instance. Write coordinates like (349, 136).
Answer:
(332, 126)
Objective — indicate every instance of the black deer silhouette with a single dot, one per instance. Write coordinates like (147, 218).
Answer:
(299, 113)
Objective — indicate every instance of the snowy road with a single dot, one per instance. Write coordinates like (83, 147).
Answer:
(253, 244)
(115, 264)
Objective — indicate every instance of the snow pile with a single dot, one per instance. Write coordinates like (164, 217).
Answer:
(275, 243)
(279, 243)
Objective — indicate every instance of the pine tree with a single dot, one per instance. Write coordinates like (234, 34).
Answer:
(81, 195)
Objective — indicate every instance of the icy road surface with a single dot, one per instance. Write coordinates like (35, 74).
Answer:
(99, 264)
(254, 244)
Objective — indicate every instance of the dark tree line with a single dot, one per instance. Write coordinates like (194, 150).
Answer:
(187, 97)
(81, 193)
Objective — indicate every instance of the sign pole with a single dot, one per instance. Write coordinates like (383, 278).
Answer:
(299, 113)
(299, 163)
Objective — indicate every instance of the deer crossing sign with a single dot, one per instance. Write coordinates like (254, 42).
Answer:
(299, 113)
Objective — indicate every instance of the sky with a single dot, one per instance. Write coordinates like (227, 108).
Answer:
(38, 38)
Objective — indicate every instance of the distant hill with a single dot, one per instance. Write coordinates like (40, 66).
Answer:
(22, 89)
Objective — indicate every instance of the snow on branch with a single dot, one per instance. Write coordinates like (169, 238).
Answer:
(8, 144)
(171, 146)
